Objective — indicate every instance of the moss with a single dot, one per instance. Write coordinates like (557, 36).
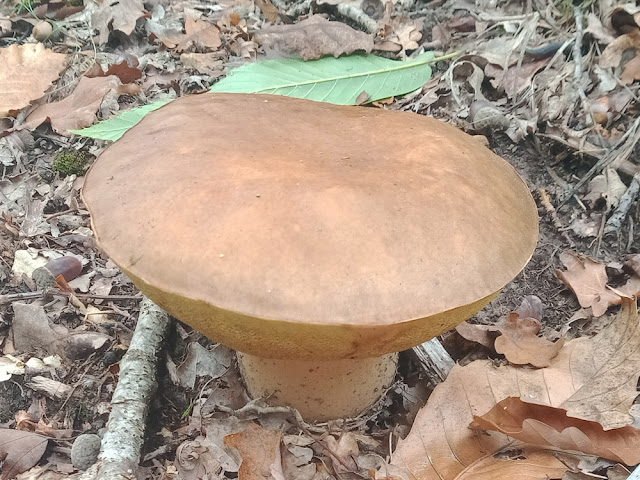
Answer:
(70, 162)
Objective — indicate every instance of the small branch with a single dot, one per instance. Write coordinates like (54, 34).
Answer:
(631, 193)
(615, 156)
(435, 360)
(13, 297)
(122, 443)
(548, 206)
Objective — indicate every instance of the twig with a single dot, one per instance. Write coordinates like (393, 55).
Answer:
(13, 297)
(616, 155)
(434, 360)
(355, 13)
(122, 443)
(631, 193)
(548, 206)
(577, 59)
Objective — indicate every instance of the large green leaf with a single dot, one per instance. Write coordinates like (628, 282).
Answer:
(333, 80)
(115, 127)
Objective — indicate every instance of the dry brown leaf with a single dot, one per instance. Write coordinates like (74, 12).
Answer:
(26, 71)
(208, 63)
(527, 464)
(78, 110)
(633, 262)
(612, 54)
(202, 35)
(19, 451)
(268, 10)
(546, 426)
(607, 185)
(516, 79)
(483, 334)
(598, 30)
(520, 343)
(314, 38)
(588, 280)
(111, 16)
(631, 71)
(593, 379)
(260, 452)
(406, 33)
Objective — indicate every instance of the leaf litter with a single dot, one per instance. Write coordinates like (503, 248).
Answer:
(519, 62)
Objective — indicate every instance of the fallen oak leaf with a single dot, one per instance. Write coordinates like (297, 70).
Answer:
(520, 343)
(19, 451)
(260, 452)
(546, 426)
(78, 110)
(314, 38)
(528, 464)
(26, 71)
(118, 15)
(588, 280)
(200, 34)
(586, 378)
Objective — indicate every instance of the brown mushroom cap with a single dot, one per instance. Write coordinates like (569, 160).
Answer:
(288, 228)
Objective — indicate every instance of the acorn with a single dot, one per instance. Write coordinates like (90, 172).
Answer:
(42, 31)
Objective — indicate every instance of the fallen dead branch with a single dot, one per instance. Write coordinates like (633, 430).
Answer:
(122, 443)
(14, 297)
(615, 221)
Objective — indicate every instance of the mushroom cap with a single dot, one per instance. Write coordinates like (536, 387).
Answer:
(287, 228)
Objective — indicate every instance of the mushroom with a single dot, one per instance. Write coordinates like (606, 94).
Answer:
(317, 240)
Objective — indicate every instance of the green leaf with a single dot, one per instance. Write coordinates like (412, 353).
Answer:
(333, 80)
(115, 127)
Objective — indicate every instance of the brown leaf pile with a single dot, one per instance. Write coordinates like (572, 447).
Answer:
(586, 392)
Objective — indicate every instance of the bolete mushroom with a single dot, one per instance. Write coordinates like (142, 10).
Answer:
(317, 240)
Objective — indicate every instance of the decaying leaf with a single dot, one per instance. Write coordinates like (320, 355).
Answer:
(79, 109)
(551, 427)
(19, 451)
(118, 15)
(592, 379)
(26, 71)
(515, 79)
(315, 38)
(260, 452)
(524, 464)
(588, 280)
(520, 343)
(608, 186)
(202, 35)
(612, 54)
(202, 362)
(485, 335)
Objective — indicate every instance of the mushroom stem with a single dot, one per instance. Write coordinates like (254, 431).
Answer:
(319, 390)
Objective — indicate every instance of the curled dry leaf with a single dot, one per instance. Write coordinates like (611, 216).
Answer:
(612, 54)
(120, 16)
(26, 71)
(520, 343)
(592, 379)
(588, 280)
(551, 427)
(78, 110)
(260, 452)
(314, 38)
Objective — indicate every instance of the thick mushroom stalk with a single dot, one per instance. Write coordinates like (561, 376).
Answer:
(319, 390)
(325, 237)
